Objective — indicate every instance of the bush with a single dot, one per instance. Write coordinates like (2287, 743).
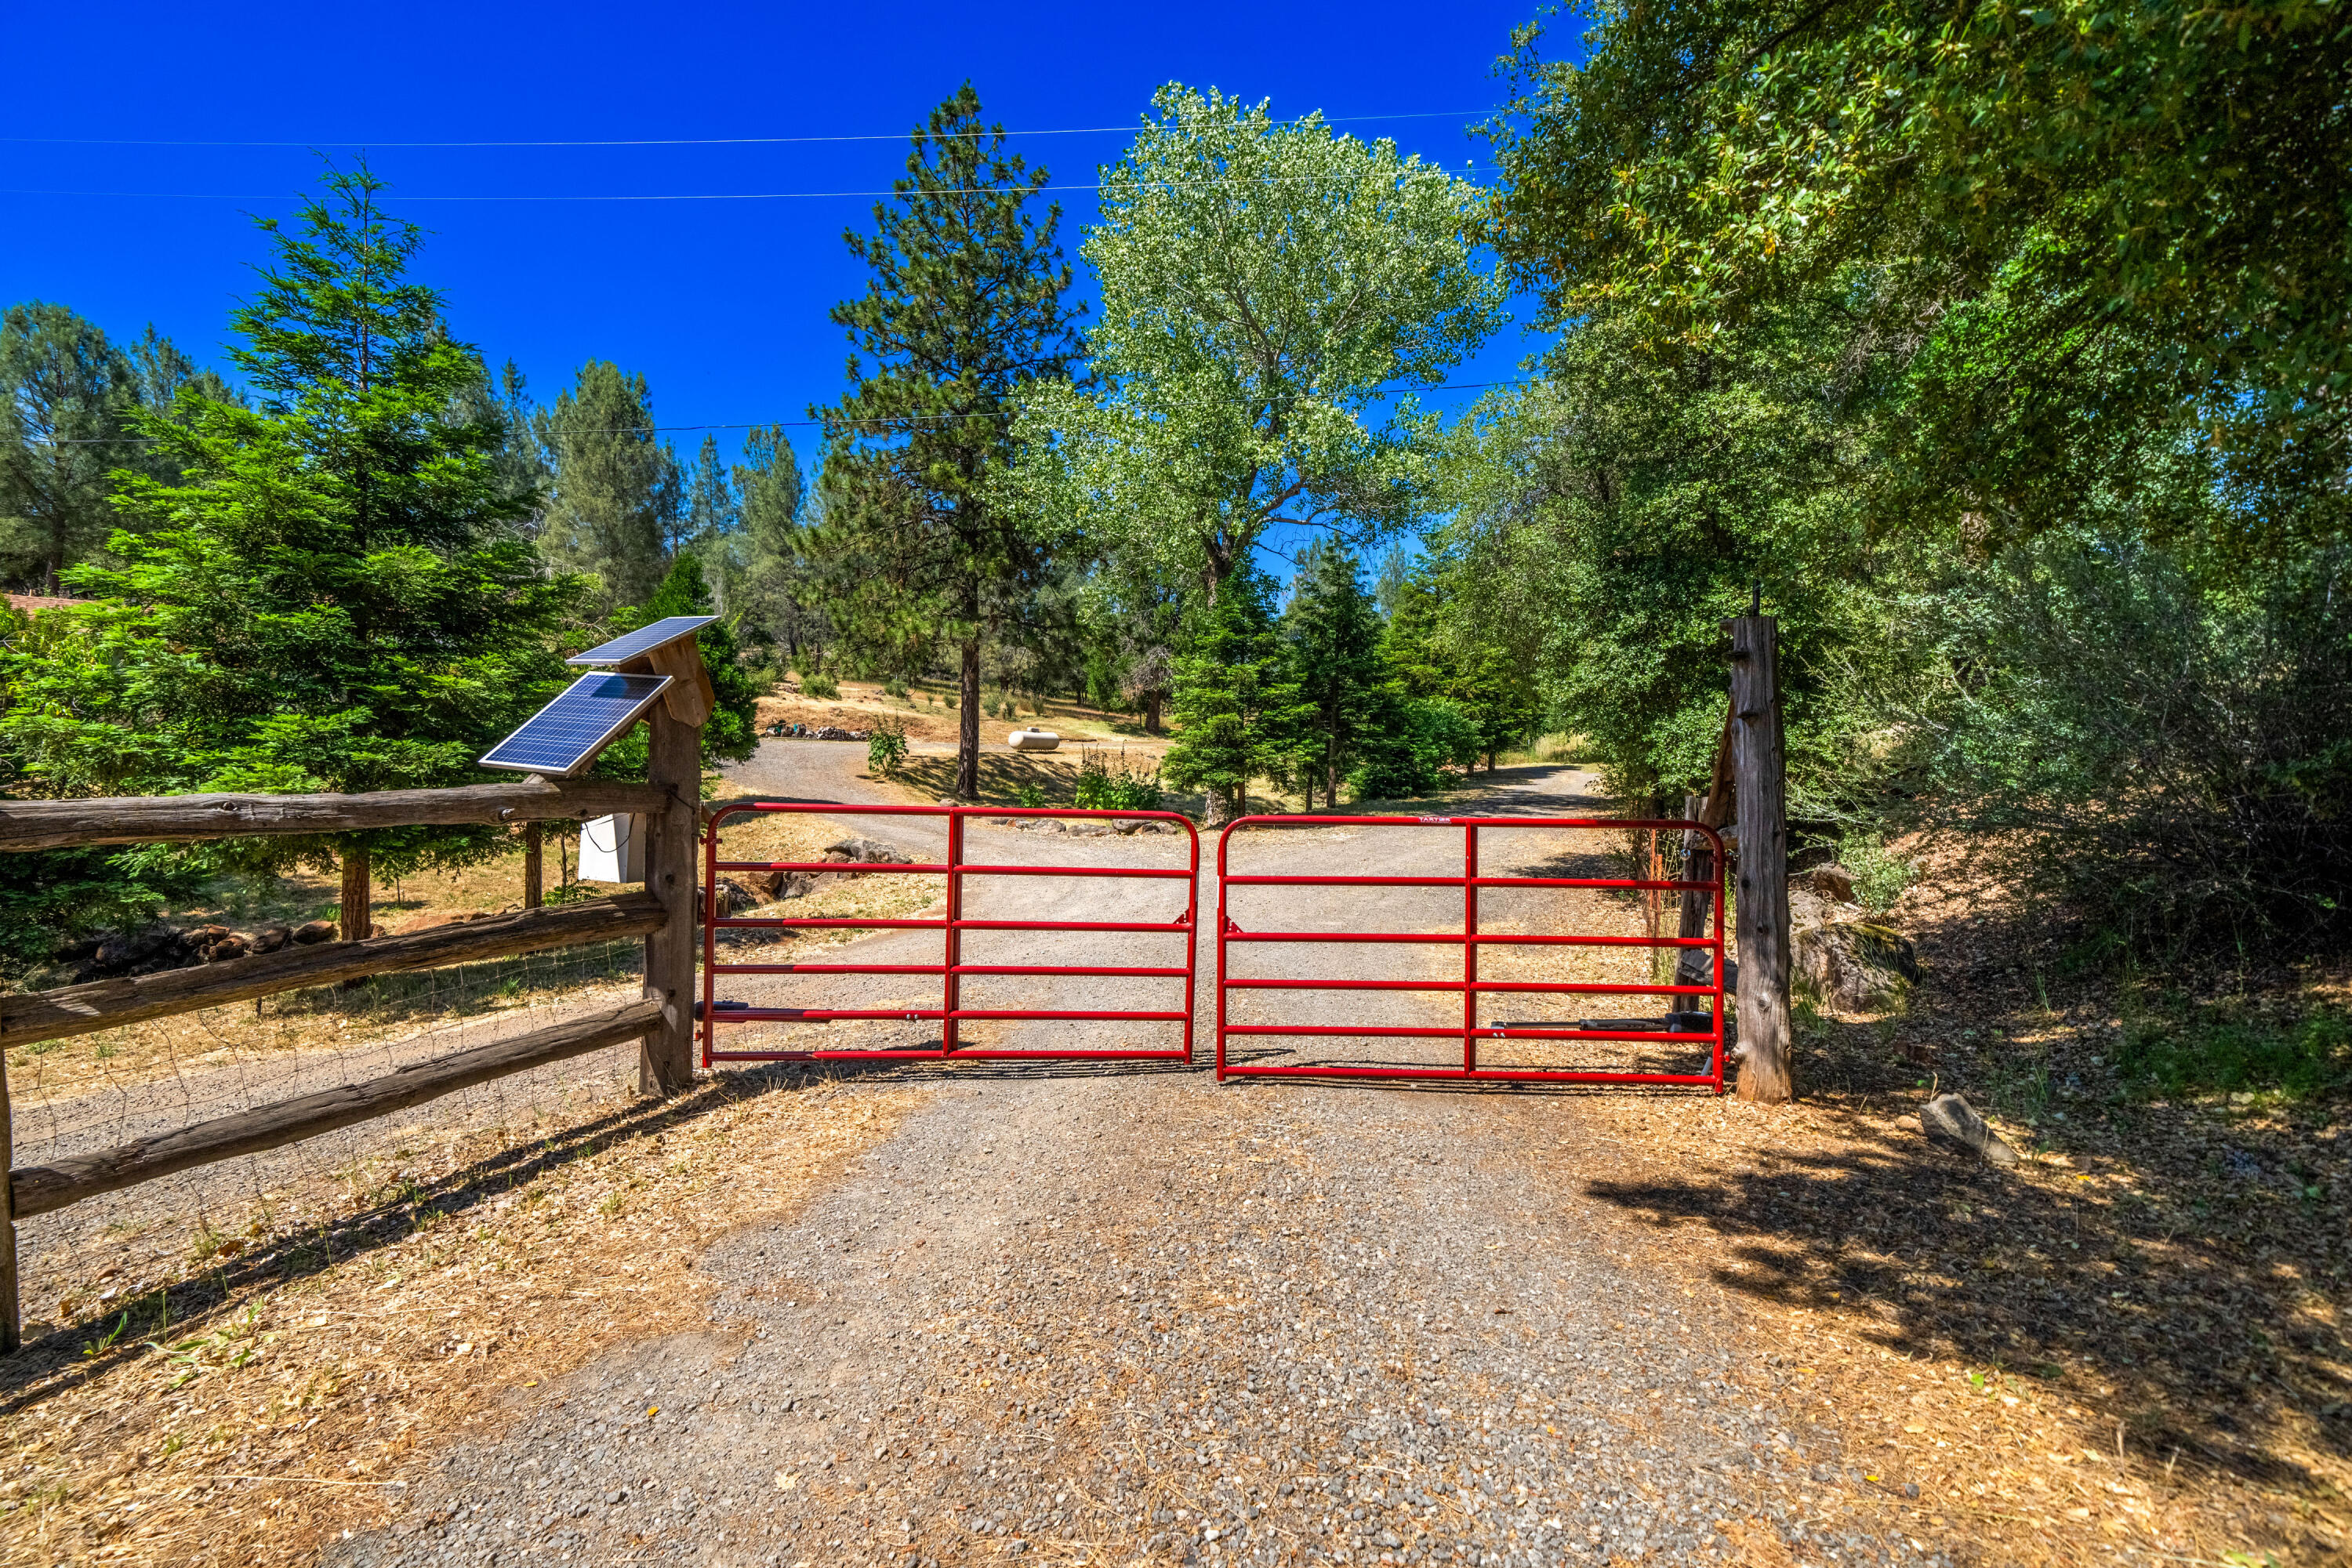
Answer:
(886, 750)
(1102, 789)
(1030, 796)
(819, 684)
(2164, 748)
(1879, 878)
(1420, 743)
(895, 687)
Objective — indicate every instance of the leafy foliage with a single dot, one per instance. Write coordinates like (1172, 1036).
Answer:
(1101, 787)
(1261, 282)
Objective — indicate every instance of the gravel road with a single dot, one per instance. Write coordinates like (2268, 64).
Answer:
(1121, 1315)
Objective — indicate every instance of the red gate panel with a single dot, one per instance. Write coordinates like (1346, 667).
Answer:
(712, 1011)
(1470, 986)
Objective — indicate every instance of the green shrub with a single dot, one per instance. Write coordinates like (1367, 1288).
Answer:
(1420, 743)
(895, 687)
(1102, 788)
(1879, 878)
(819, 684)
(1030, 796)
(885, 749)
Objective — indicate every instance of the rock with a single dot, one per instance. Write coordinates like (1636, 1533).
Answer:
(312, 931)
(1832, 882)
(773, 886)
(1854, 966)
(1085, 828)
(870, 850)
(237, 944)
(270, 939)
(1954, 1123)
(734, 898)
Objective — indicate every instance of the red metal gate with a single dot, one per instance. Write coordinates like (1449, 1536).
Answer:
(951, 969)
(1471, 1030)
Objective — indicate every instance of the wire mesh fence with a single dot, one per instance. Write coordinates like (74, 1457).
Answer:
(78, 1095)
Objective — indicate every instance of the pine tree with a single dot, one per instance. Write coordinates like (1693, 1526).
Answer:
(966, 309)
(1437, 650)
(732, 733)
(1238, 707)
(618, 497)
(332, 595)
(1335, 636)
(774, 594)
(66, 399)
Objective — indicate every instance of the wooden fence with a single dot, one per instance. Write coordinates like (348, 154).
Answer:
(661, 1020)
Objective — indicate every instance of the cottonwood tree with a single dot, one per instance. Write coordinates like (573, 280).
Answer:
(965, 311)
(1261, 283)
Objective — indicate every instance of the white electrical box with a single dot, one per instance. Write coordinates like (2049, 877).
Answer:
(613, 849)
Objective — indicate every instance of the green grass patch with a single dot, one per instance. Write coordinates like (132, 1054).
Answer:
(2215, 1051)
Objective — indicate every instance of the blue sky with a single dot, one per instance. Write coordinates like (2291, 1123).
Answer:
(721, 303)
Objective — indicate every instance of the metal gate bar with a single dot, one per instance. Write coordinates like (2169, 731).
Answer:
(1470, 939)
(711, 1011)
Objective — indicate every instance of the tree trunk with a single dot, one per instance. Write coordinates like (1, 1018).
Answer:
(966, 777)
(1151, 700)
(1759, 767)
(355, 918)
(534, 868)
(1331, 783)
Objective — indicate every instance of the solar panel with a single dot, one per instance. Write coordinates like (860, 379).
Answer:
(565, 736)
(644, 640)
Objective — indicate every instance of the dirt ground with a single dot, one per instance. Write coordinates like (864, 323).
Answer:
(977, 1313)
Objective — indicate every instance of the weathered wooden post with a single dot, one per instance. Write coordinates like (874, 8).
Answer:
(673, 763)
(355, 918)
(534, 868)
(11, 1326)
(1759, 765)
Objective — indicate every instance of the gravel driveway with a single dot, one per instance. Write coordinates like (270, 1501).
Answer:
(1111, 1316)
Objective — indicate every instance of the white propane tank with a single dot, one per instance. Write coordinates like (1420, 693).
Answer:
(1035, 740)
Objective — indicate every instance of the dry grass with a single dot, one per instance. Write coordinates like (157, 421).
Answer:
(247, 1415)
(2118, 1347)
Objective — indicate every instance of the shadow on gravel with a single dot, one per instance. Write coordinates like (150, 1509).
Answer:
(2199, 1328)
(390, 1214)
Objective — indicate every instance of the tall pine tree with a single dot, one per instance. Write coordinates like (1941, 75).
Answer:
(331, 594)
(618, 498)
(966, 309)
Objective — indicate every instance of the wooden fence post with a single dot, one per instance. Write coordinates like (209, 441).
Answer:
(534, 868)
(673, 762)
(1760, 771)
(356, 917)
(11, 1326)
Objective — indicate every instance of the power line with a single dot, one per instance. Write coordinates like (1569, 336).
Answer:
(690, 140)
(394, 198)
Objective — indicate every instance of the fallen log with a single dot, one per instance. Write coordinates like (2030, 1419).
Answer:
(37, 1189)
(171, 818)
(104, 1003)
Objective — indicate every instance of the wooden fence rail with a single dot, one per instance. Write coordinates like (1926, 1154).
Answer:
(105, 1003)
(37, 1189)
(663, 914)
(177, 819)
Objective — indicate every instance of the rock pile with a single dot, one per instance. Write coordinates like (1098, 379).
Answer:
(1852, 963)
(1087, 827)
(159, 947)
